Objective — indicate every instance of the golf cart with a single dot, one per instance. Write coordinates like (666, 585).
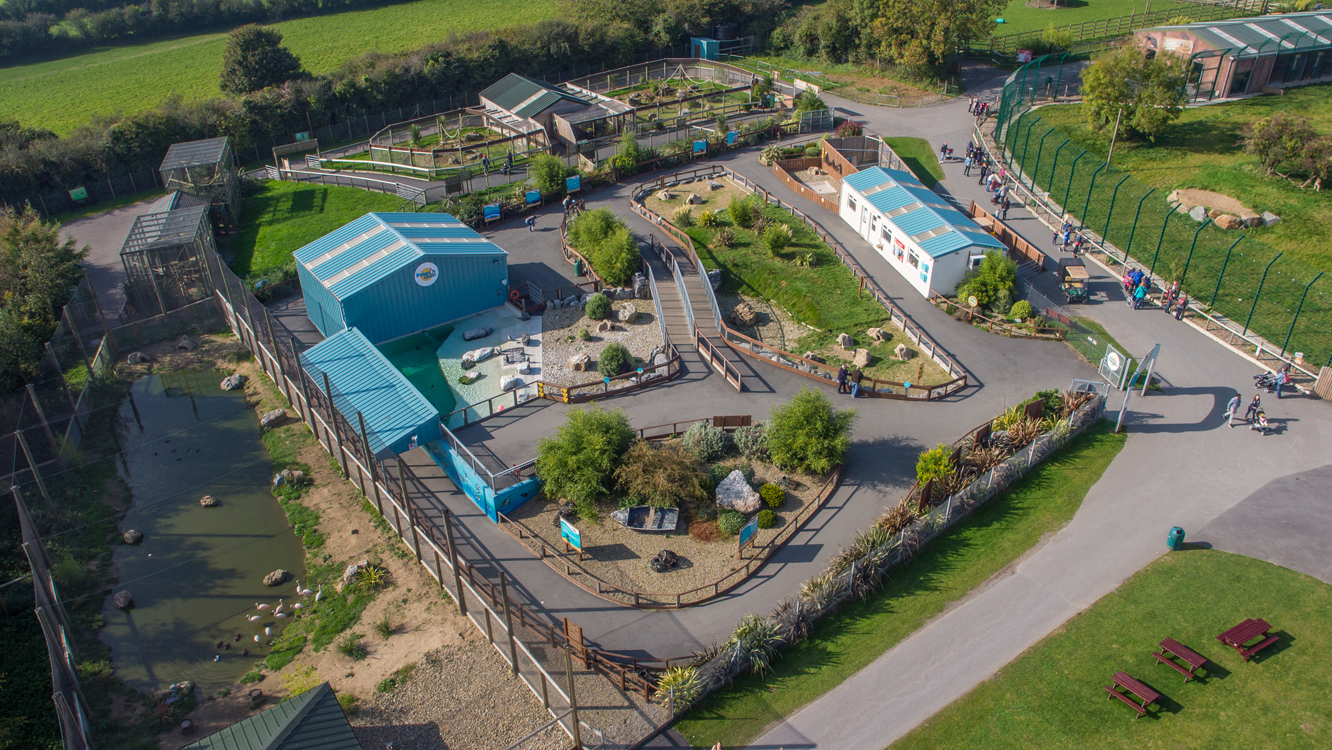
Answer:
(1073, 280)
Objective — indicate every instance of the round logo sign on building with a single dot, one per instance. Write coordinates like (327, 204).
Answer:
(426, 274)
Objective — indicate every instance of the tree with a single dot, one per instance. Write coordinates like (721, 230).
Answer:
(579, 463)
(1316, 161)
(628, 154)
(1276, 139)
(667, 475)
(924, 32)
(255, 59)
(38, 271)
(806, 434)
(994, 280)
(548, 173)
(1144, 93)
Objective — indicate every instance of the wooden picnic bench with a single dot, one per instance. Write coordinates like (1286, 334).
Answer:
(1141, 691)
(1172, 648)
(1246, 631)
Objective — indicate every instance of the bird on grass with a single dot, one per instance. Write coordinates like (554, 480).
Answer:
(298, 605)
(319, 593)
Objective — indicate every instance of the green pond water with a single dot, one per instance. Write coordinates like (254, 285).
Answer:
(415, 357)
(198, 573)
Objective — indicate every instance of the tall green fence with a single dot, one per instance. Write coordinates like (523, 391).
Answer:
(1233, 273)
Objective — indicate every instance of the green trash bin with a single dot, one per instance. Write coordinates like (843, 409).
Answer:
(578, 267)
(1176, 539)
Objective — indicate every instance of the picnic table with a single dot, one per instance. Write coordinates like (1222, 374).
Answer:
(1246, 631)
(1139, 690)
(1172, 648)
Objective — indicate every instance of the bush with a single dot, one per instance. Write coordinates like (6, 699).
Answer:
(679, 685)
(607, 244)
(742, 213)
(579, 462)
(708, 219)
(706, 510)
(667, 475)
(352, 648)
(1054, 402)
(806, 434)
(766, 519)
(1021, 310)
(705, 531)
(993, 281)
(773, 496)
(752, 441)
(548, 173)
(614, 359)
(777, 237)
(730, 521)
(935, 463)
(850, 128)
(584, 334)
(707, 442)
(683, 216)
(598, 306)
(723, 238)
(813, 151)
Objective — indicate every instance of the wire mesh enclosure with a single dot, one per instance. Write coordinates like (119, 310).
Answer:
(205, 168)
(163, 260)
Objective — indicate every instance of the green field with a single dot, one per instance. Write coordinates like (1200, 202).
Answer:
(65, 93)
(1052, 696)
(920, 158)
(946, 570)
(1019, 18)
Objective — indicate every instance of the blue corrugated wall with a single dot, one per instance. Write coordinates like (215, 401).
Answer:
(321, 306)
(396, 305)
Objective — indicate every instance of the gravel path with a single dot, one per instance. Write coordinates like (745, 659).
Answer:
(560, 339)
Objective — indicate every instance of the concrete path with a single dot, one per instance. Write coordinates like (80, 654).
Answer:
(105, 234)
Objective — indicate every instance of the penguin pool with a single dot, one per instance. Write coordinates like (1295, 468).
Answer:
(432, 361)
(197, 575)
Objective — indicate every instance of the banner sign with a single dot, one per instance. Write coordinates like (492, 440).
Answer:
(492, 212)
(572, 184)
(747, 534)
(700, 147)
(570, 534)
(533, 197)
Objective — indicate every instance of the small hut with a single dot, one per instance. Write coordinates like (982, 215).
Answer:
(164, 255)
(208, 169)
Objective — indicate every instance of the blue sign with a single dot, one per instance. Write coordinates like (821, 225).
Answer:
(748, 531)
(700, 147)
(492, 212)
(570, 534)
(572, 184)
(533, 197)
(731, 136)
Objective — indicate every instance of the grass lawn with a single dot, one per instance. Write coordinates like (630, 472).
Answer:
(1019, 18)
(281, 217)
(920, 158)
(1052, 697)
(945, 571)
(64, 93)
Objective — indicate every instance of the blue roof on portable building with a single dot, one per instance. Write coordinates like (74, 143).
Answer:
(919, 212)
(351, 258)
(364, 381)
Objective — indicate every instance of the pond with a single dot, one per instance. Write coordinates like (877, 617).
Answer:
(197, 575)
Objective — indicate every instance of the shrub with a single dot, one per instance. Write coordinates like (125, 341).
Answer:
(935, 463)
(777, 237)
(812, 151)
(351, 705)
(614, 359)
(996, 274)
(706, 510)
(683, 216)
(850, 128)
(754, 639)
(598, 306)
(707, 442)
(708, 219)
(805, 260)
(773, 496)
(607, 244)
(770, 154)
(806, 434)
(584, 334)
(730, 521)
(742, 213)
(372, 577)
(352, 648)
(752, 441)
(385, 627)
(680, 685)
(808, 101)
(667, 475)
(705, 531)
(723, 238)
(1021, 310)
(766, 519)
(548, 173)
(579, 462)
(1054, 402)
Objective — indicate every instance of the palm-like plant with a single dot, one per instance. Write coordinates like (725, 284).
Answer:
(756, 640)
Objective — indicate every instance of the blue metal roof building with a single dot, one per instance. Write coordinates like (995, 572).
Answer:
(927, 240)
(391, 275)
(397, 417)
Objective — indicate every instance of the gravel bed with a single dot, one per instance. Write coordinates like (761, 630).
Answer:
(459, 697)
(557, 326)
(620, 556)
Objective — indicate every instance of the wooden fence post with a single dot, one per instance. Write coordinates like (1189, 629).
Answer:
(370, 461)
(508, 622)
(46, 426)
(453, 560)
(332, 424)
(36, 473)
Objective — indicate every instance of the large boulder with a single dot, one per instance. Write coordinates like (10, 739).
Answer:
(903, 352)
(745, 314)
(663, 561)
(580, 362)
(627, 314)
(1198, 213)
(479, 355)
(862, 358)
(735, 493)
(845, 341)
(878, 334)
(477, 333)
(469, 377)
(811, 356)
(271, 418)
(1252, 221)
(138, 358)
(122, 600)
(605, 326)
(133, 536)
(642, 289)
(275, 578)
(694, 200)
(510, 382)
(1226, 221)
(232, 382)
(1270, 219)
(715, 278)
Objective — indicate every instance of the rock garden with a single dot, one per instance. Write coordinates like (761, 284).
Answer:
(578, 338)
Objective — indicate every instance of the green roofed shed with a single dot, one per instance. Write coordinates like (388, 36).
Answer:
(312, 720)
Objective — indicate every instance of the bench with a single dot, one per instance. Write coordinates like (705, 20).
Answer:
(1246, 631)
(1170, 647)
(1141, 691)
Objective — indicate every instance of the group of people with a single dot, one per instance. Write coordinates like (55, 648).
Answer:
(855, 377)
(978, 108)
(1253, 416)
(1177, 301)
(1136, 284)
(508, 163)
(1066, 235)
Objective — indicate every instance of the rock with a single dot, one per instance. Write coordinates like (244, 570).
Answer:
(122, 600)
(658, 359)
(208, 501)
(469, 377)
(714, 278)
(138, 358)
(735, 493)
(811, 356)
(271, 418)
(845, 341)
(275, 578)
(605, 326)
(642, 290)
(479, 355)
(510, 382)
(580, 362)
(745, 314)
(1215, 213)
(288, 476)
(525, 315)
(185, 344)
(571, 301)
(694, 200)
(232, 382)
(862, 358)
(1173, 197)
(133, 536)
(903, 352)
(1198, 213)
(627, 314)
(878, 334)
(1226, 221)
(477, 333)
(663, 561)
(666, 195)
(713, 185)
(1270, 219)
(349, 574)
(553, 305)
(566, 510)
(524, 368)
(1252, 221)
(1181, 208)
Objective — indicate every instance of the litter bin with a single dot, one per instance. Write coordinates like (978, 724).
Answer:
(578, 267)
(1176, 539)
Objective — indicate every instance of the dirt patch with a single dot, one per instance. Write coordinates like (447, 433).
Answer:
(818, 180)
(713, 199)
(1224, 203)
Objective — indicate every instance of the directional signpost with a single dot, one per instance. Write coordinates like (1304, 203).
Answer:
(572, 538)
(747, 536)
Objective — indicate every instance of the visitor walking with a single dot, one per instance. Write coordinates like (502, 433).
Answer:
(1232, 409)
(531, 223)
(1066, 236)
(485, 162)
(967, 172)
(971, 104)
(1139, 295)
(1255, 406)
(984, 172)
(841, 379)
(1003, 209)
(568, 201)
(856, 377)
(1179, 309)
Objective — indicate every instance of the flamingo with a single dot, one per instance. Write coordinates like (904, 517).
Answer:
(298, 605)
(263, 607)
(281, 614)
(268, 631)
(254, 618)
(256, 639)
(279, 607)
(301, 591)
(321, 593)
